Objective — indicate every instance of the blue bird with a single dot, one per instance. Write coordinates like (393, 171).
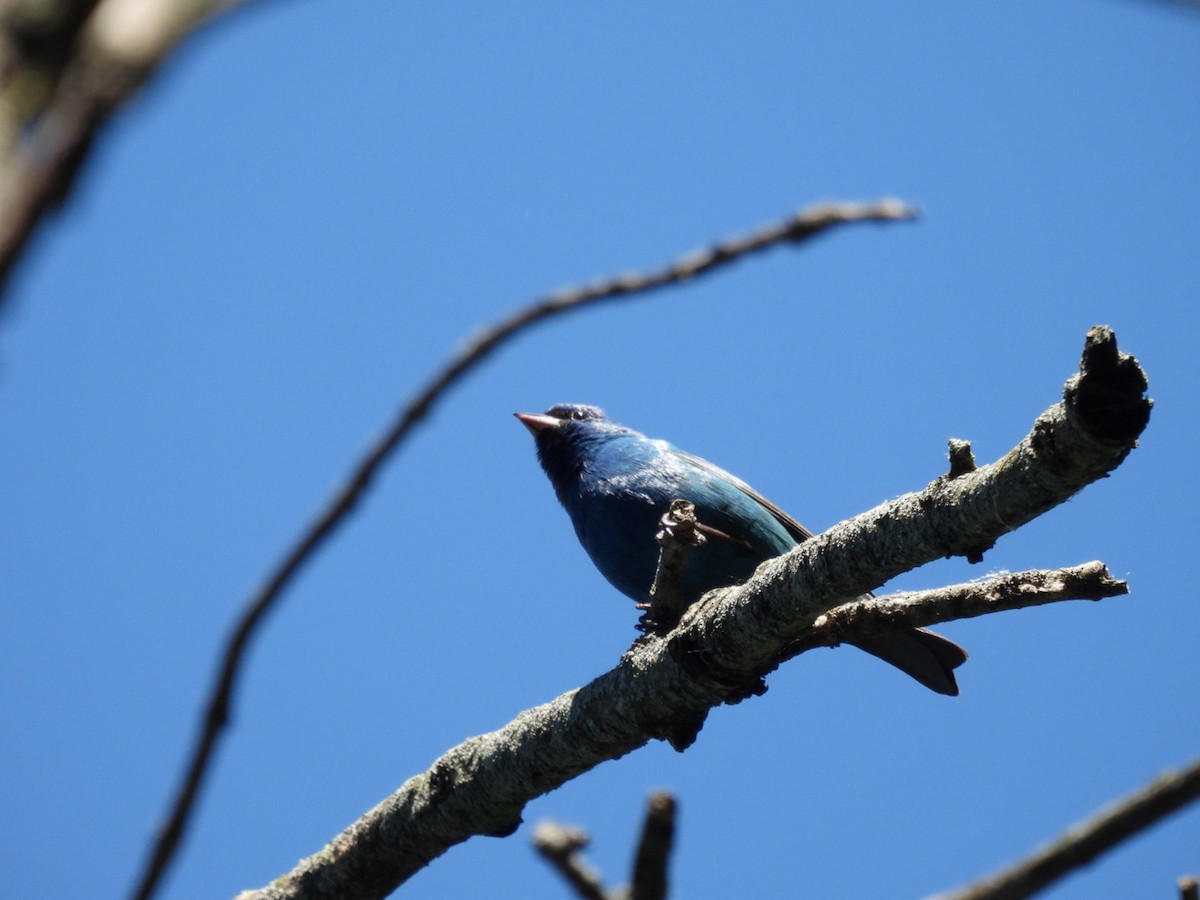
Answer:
(616, 483)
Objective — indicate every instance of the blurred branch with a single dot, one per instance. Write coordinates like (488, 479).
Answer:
(796, 229)
(729, 637)
(65, 67)
(560, 845)
(1082, 843)
(649, 880)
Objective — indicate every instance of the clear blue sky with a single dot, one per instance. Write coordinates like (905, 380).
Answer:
(314, 205)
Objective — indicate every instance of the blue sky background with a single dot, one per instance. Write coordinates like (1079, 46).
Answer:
(317, 201)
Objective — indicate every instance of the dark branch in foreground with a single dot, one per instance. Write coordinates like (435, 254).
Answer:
(65, 69)
(729, 637)
(796, 229)
(1082, 843)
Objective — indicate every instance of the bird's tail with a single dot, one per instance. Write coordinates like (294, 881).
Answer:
(929, 658)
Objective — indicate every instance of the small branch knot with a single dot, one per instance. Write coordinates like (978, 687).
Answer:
(1109, 391)
(962, 460)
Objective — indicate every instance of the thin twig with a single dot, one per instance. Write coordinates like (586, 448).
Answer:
(908, 609)
(800, 227)
(1082, 843)
(560, 845)
(678, 535)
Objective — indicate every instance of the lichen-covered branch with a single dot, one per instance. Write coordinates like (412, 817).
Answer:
(1072, 444)
(729, 638)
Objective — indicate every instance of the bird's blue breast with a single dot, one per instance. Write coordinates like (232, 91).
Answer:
(628, 483)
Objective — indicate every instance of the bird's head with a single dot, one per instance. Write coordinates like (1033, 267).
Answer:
(566, 435)
(558, 415)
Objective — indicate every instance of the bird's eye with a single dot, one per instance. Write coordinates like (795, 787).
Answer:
(576, 411)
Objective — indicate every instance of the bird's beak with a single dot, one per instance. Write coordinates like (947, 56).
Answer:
(536, 423)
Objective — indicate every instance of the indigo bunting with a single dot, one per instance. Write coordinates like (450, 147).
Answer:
(616, 483)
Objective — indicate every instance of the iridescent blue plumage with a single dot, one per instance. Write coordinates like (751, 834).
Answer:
(616, 483)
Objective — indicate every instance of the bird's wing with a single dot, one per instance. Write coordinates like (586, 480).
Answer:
(928, 657)
(794, 528)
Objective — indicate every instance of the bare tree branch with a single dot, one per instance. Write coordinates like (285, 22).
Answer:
(796, 229)
(560, 845)
(649, 880)
(1072, 444)
(1020, 590)
(1082, 843)
(729, 637)
(66, 66)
